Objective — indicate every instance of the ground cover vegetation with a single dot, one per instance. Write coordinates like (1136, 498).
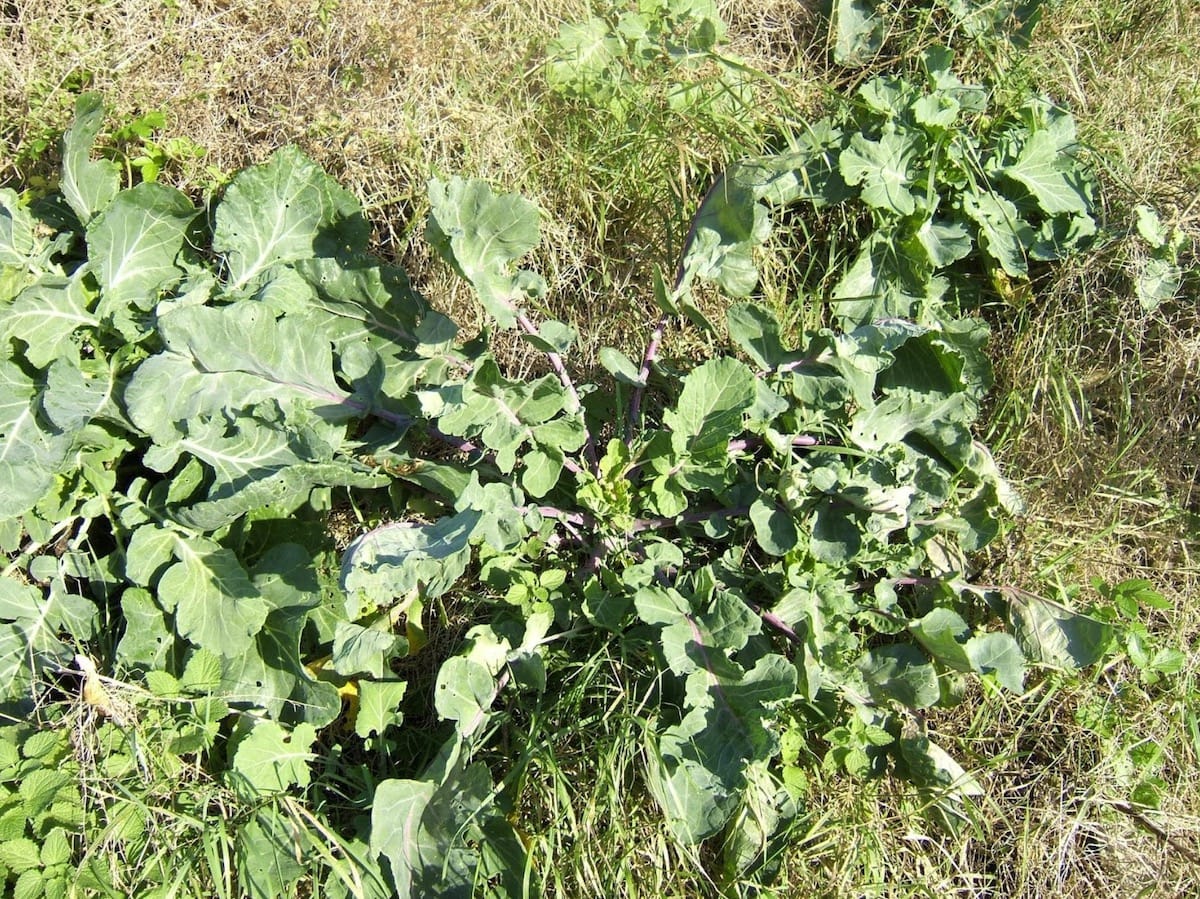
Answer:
(753, 456)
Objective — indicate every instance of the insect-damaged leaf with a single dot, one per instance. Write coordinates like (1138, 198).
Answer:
(271, 760)
(283, 211)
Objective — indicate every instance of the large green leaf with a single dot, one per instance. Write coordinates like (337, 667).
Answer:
(756, 331)
(729, 226)
(505, 413)
(377, 706)
(1053, 634)
(443, 837)
(78, 391)
(88, 185)
(215, 603)
(282, 211)
(272, 676)
(774, 527)
(900, 672)
(148, 642)
(715, 398)
(999, 655)
(943, 634)
(1002, 231)
(18, 243)
(948, 639)
(269, 759)
(699, 765)
(464, 692)
(30, 453)
(481, 235)
(278, 374)
(361, 650)
(1047, 174)
(396, 832)
(31, 622)
(133, 244)
(884, 169)
(267, 851)
(46, 316)
(366, 301)
(584, 60)
(233, 357)
(945, 242)
(1013, 19)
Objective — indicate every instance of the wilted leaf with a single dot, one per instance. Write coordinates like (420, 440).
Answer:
(395, 559)
(902, 673)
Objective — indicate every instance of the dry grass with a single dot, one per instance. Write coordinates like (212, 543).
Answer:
(385, 94)
(1097, 421)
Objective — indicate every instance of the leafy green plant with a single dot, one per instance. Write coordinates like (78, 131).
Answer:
(1159, 276)
(612, 60)
(144, 152)
(780, 532)
(949, 191)
(40, 807)
(1125, 605)
(859, 28)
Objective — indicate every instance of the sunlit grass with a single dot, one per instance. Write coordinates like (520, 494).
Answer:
(1094, 416)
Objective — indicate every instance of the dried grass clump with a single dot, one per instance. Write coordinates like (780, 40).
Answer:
(1130, 73)
(373, 89)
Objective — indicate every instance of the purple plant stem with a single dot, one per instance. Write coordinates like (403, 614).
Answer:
(778, 623)
(575, 518)
(654, 524)
(635, 404)
(458, 443)
(738, 446)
